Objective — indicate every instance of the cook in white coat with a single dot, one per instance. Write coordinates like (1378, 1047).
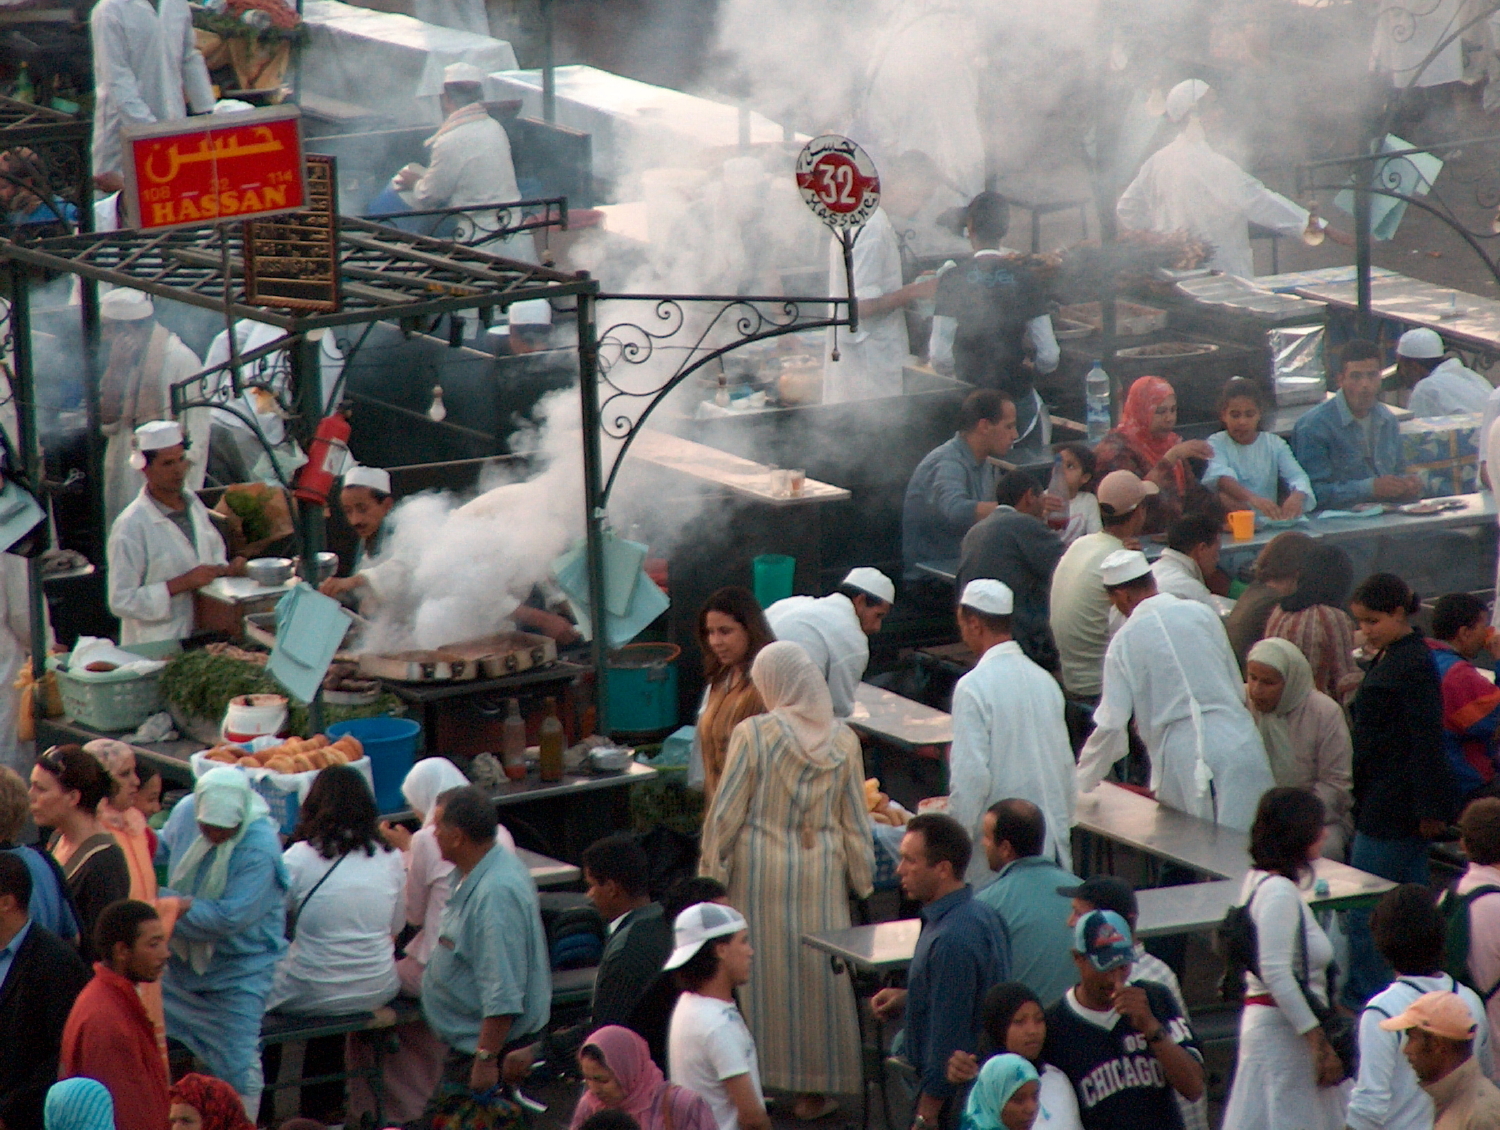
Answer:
(1186, 186)
(145, 360)
(470, 161)
(163, 547)
(146, 69)
(1439, 386)
(1170, 666)
(833, 629)
(1009, 735)
(871, 361)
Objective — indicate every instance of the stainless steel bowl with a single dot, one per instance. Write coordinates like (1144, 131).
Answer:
(269, 571)
(327, 566)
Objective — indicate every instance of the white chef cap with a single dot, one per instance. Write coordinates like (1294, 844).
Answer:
(872, 581)
(532, 312)
(1183, 98)
(988, 596)
(1420, 343)
(125, 305)
(1122, 566)
(462, 72)
(374, 478)
(153, 436)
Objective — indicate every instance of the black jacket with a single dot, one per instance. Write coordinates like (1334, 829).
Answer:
(45, 977)
(1400, 771)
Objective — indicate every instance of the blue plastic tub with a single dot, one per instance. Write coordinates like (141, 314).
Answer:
(391, 745)
(643, 688)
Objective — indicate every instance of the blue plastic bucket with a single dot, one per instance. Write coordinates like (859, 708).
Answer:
(643, 688)
(391, 745)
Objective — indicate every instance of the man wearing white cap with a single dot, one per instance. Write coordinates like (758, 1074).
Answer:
(1186, 186)
(470, 161)
(366, 500)
(1171, 668)
(833, 629)
(163, 547)
(145, 360)
(1440, 386)
(1009, 735)
(709, 1047)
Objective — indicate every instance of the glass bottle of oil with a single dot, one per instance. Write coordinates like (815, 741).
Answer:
(550, 762)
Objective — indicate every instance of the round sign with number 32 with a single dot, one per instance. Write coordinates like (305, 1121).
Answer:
(838, 181)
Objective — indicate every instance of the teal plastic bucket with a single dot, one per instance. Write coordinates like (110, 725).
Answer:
(391, 745)
(643, 688)
(773, 578)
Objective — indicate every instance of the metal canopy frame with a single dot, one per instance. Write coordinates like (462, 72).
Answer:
(57, 160)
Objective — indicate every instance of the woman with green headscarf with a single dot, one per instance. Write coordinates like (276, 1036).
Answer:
(224, 861)
(1304, 731)
(1004, 1096)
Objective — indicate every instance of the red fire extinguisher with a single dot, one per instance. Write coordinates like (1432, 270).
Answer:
(325, 459)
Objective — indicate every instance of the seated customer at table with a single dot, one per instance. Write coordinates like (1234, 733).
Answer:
(1015, 546)
(1312, 617)
(1191, 557)
(962, 950)
(1027, 895)
(1276, 571)
(1350, 445)
(1440, 385)
(954, 485)
(1250, 465)
(1144, 442)
(1471, 702)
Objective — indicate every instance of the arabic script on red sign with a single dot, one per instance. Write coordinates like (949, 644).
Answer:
(229, 167)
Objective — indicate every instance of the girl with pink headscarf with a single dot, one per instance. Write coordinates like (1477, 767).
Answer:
(620, 1075)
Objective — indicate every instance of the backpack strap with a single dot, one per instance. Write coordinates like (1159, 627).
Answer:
(1469, 899)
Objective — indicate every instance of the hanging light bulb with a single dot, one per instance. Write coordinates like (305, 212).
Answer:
(1313, 234)
(436, 412)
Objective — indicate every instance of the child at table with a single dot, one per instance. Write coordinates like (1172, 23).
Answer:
(1078, 476)
(1248, 464)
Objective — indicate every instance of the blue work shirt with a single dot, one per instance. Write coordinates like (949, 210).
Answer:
(49, 906)
(1330, 444)
(1025, 896)
(8, 954)
(963, 950)
(940, 501)
(491, 956)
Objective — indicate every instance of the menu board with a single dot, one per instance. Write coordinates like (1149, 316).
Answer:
(292, 260)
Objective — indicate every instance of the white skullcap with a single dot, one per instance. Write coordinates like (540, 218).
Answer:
(462, 72)
(1123, 565)
(872, 581)
(532, 312)
(1421, 343)
(125, 305)
(1183, 98)
(375, 478)
(991, 597)
(231, 106)
(153, 436)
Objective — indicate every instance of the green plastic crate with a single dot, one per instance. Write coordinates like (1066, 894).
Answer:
(112, 700)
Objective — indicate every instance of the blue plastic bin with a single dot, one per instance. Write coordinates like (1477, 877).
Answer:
(391, 745)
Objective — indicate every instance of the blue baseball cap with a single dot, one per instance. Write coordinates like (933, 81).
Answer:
(1103, 937)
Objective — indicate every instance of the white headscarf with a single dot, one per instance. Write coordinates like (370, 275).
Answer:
(796, 693)
(429, 779)
(222, 798)
(1287, 660)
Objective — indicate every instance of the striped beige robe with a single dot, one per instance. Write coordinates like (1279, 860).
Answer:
(790, 837)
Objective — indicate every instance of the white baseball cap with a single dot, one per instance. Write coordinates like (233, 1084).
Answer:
(125, 305)
(1421, 344)
(374, 478)
(1123, 565)
(699, 923)
(1183, 98)
(462, 72)
(154, 435)
(532, 312)
(872, 581)
(989, 596)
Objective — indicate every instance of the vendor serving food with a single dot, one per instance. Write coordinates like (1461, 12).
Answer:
(366, 500)
(163, 547)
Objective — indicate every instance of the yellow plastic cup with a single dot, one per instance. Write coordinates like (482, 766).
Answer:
(1242, 524)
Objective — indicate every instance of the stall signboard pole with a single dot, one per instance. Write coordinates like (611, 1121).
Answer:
(840, 185)
(23, 389)
(595, 518)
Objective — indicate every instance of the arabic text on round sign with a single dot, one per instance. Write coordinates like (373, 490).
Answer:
(838, 181)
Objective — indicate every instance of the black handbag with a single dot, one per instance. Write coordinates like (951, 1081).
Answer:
(295, 912)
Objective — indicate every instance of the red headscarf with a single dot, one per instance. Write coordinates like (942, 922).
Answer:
(1145, 396)
(629, 1060)
(216, 1102)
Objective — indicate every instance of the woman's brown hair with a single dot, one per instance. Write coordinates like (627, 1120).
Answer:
(738, 602)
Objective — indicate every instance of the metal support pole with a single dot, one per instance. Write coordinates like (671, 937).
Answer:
(28, 449)
(1362, 321)
(306, 382)
(593, 497)
(93, 368)
(549, 80)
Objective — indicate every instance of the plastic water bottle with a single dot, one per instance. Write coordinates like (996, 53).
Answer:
(1096, 396)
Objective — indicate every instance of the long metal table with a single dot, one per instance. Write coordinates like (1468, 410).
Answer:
(885, 714)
